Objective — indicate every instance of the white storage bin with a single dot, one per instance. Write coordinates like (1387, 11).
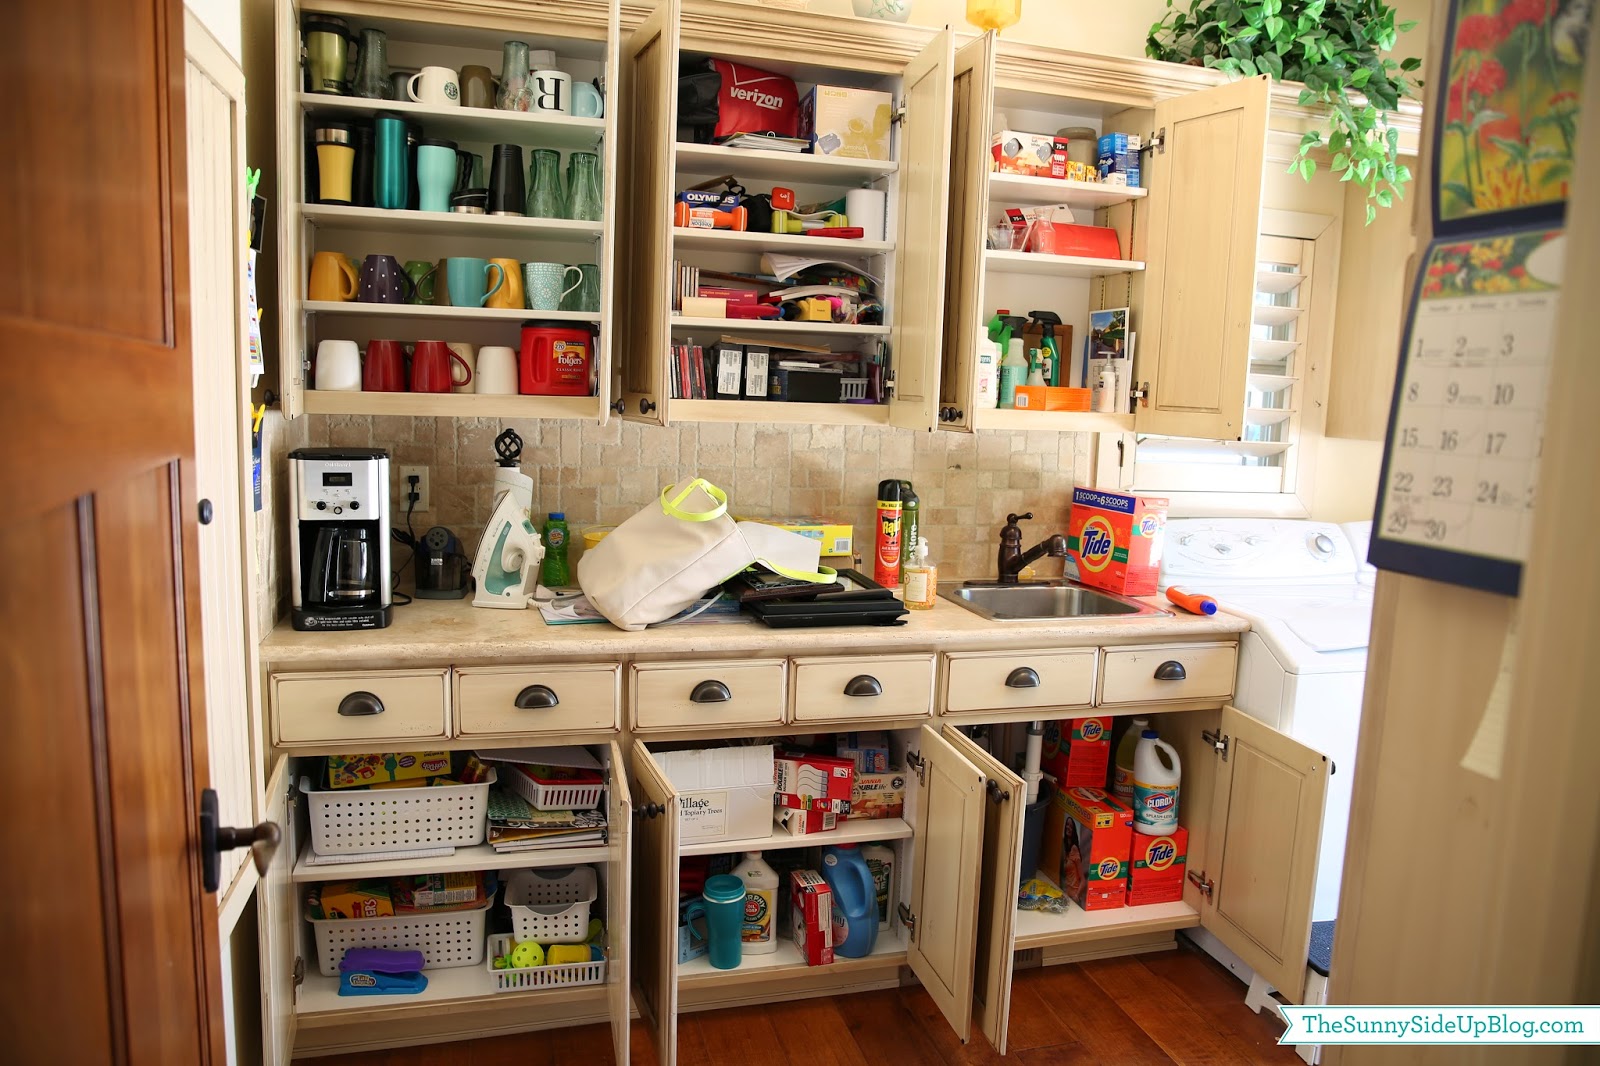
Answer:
(350, 821)
(554, 797)
(551, 905)
(446, 938)
(563, 976)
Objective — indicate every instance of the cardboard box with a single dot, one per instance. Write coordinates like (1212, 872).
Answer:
(807, 782)
(876, 795)
(353, 771)
(1119, 159)
(811, 909)
(869, 751)
(1156, 861)
(848, 123)
(1099, 833)
(723, 793)
(1015, 152)
(425, 891)
(692, 930)
(1077, 752)
(353, 899)
(1116, 539)
(798, 823)
(1155, 892)
(836, 538)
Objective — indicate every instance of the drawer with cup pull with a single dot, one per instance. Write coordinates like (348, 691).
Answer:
(714, 693)
(358, 707)
(855, 689)
(538, 700)
(1019, 680)
(1165, 673)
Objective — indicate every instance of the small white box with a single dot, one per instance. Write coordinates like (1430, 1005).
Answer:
(723, 793)
(845, 122)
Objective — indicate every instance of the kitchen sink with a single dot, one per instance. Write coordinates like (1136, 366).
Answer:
(1042, 601)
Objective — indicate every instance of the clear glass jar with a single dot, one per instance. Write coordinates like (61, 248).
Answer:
(583, 187)
(546, 199)
(513, 77)
(372, 67)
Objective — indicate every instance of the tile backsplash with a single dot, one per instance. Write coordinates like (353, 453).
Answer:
(602, 474)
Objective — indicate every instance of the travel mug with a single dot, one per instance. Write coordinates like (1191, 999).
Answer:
(385, 369)
(333, 279)
(463, 171)
(383, 281)
(389, 177)
(413, 139)
(586, 297)
(433, 365)
(327, 46)
(477, 87)
(505, 180)
(469, 358)
(546, 284)
(338, 367)
(496, 371)
(468, 279)
(508, 295)
(724, 896)
(436, 174)
(336, 158)
(361, 174)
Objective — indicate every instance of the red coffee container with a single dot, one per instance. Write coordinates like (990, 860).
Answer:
(555, 360)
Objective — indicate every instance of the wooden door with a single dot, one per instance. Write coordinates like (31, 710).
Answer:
(648, 77)
(278, 926)
(294, 361)
(655, 923)
(997, 904)
(619, 891)
(1193, 325)
(967, 223)
(1265, 828)
(112, 947)
(607, 346)
(920, 222)
(946, 868)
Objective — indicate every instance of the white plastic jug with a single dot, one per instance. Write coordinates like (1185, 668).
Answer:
(1122, 774)
(760, 904)
(1156, 772)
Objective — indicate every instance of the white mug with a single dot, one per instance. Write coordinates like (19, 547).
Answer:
(543, 284)
(338, 367)
(469, 356)
(552, 91)
(497, 371)
(439, 87)
(541, 59)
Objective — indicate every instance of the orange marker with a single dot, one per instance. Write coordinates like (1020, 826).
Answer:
(1193, 602)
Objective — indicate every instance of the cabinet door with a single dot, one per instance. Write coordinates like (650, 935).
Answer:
(292, 355)
(649, 93)
(610, 181)
(997, 902)
(619, 892)
(971, 105)
(945, 876)
(920, 222)
(278, 926)
(1261, 854)
(1193, 328)
(655, 923)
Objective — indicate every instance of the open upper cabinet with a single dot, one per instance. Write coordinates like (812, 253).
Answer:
(1186, 240)
(890, 353)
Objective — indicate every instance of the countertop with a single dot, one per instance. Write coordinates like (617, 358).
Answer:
(451, 632)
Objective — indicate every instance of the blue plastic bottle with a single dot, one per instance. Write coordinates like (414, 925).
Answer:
(855, 897)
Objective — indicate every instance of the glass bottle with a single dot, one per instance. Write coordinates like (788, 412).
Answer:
(513, 77)
(372, 67)
(583, 186)
(545, 197)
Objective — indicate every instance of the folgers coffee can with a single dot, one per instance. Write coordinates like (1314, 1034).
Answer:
(888, 542)
(1116, 539)
(555, 360)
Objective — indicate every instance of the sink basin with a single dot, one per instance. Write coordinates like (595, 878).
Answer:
(1042, 601)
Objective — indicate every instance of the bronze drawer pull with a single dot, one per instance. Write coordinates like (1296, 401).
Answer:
(360, 704)
(537, 698)
(863, 685)
(1023, 677)
(1171, 670)
(710, 692)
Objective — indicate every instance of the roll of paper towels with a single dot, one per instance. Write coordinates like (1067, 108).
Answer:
(866, 208)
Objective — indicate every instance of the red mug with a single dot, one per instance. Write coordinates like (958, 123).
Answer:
(431, 370)
(385, 369)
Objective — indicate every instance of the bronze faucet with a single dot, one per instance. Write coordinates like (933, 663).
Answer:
(1012, 559)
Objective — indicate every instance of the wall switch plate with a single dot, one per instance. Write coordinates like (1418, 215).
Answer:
(421, 473)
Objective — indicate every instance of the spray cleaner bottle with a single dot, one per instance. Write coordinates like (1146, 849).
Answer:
(1048, 321)
(886, 547)
(910, 523)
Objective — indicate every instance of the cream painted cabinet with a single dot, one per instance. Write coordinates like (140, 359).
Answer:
(278, 923)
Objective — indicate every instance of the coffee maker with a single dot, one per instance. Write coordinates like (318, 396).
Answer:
(339, 507)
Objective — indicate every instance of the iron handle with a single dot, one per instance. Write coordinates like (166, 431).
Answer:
(863, 685)
(646, 406)
(649, 810)
(710, 692)
(205, 512)
(360, 704)
(619, 405)
(1171, 670)
(997, 794)
(1023, 677)
(262, 839)
(536, 698)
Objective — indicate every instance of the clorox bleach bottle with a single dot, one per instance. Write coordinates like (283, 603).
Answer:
(1156, 771)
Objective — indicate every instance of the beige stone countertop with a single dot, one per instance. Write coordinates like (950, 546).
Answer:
(452, 632)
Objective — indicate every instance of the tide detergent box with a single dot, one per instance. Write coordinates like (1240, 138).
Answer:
(1078, 751)
(1157, 867)
(1116, 540)
(1099, 836)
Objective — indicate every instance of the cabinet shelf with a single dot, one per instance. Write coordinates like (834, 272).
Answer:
(451, 405)
(763, 411)
(1264, 350)
(1036, 929)
(721, 240)
(1054, 421)
(479, 857)
(433, 311)
(447, 223)
(1273, 315)
(763, 165)
(1032, 191)
(680, 324)
(1270, 382)
(1278, 281)
(320, 995)
(1057, 266)
(854, 831)
(787, 961)
(472, 124)
(1267, 416)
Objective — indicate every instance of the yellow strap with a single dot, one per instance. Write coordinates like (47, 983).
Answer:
(823, 576)
(671, 507)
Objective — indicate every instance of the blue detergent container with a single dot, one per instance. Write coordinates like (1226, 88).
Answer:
(855, 897)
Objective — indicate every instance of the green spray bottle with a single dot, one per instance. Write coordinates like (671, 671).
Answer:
(910, 522)
(1048, 321)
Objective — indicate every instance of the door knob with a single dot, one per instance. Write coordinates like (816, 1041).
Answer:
(646, 406)
(619, 405)
(262, 839)
(205, 512)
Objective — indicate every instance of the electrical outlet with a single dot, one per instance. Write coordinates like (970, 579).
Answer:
(421, 474)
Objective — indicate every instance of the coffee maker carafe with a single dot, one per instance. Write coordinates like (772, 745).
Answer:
(339, 505)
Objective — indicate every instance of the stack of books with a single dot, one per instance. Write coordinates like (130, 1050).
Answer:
(514, 825)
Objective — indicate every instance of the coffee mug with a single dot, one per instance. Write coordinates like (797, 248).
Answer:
(338, 367)
(508, 295)
(587, 101)
(552, 91)
(468, 279)
(332, 278)
(434, 86)
(385, 368)
(432, 368)
(496, 372)
(469, 356)
(544, 281)
(586, 297)
(383, 281)
(477, 87)
(421, 272)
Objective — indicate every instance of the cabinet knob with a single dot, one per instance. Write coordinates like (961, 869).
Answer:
(619, 405)
(710, 692)
(1023, 677)
(997, 795)
(205, 512)
(646, 406)
(360, 704)
(1171, 670)
(536, 698)
(863, 685)
(649, 810)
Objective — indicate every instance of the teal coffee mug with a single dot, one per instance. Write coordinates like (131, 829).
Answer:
(467, 280)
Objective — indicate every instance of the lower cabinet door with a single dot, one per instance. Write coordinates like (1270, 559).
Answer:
(1007, 797)
(655, 920)
(277, 922)
(619, 894)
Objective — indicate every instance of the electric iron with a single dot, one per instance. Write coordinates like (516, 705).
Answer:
(507, 567)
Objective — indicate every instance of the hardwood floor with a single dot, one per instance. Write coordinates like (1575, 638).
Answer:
(1174, 1007)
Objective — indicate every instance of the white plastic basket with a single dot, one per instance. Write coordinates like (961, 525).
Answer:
(446, 939)
(349, 821)
(551, 905)
(558, 797)
(563, 976)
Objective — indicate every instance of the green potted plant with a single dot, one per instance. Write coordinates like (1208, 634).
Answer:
(1338, 49)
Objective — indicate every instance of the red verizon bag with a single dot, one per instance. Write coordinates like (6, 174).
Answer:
(728, 99)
